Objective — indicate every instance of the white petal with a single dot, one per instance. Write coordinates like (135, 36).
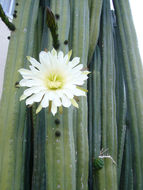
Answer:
(70, 86)
(34, 62)
(60, 56)
(68, 93)
(53, 109)
(34, 70)
(78, 92)
(50, 95)
(78, 82)
(77, 68)
(59, 93)
(57, 101)
(23, 97)
(24, 71)
(33, 90)
(35, 98)
(54, 52)
(66, 58)
(53, 96)
(30, 83)
(45, 101)
(44, 58)
(26, 74)
(65, 101)
(75, 61)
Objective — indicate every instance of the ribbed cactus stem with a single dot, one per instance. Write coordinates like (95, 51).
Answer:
(95, 8)
(108, 120)
(80, 44)
(121, 103)
(13, 135)
(60, 161)
(133, 78)
(94, 117)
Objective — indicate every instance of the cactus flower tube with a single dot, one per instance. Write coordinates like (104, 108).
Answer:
(55, 82)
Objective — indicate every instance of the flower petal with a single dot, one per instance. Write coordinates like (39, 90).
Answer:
(68, 93)
(65, 101)
(33, 90)
(75, 61)
(53, 109)
(78, 92)
(35, 98)
(45, 101)
(54, 52)
(30, 83)
(24, 72)
(23, 97)
(60, 56)
(77, 68)
(34, 62)
(57, 101)
(44, 58)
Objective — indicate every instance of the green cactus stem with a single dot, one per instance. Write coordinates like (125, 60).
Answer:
(133, 73)
(95, 17)
(94, 113)
(13, 128)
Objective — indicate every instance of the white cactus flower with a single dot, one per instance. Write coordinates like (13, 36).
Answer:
(54, 81)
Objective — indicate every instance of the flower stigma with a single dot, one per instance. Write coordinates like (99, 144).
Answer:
(54, 81)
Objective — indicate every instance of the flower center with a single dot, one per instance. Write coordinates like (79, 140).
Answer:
(54, 81)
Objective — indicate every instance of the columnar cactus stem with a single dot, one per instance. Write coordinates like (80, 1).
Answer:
(95, 17)
(80, 45)
(133, 80)
(13, 135)
(46, 152)
(94, 116)
(59, 148)
(121, 103)
(108, 120)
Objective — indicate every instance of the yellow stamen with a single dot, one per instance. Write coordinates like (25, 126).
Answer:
(54, 81)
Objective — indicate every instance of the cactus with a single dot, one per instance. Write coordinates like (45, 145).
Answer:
(133, 79)
(108, 109)
(98, 145)
(13, 130)
(95, 7)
